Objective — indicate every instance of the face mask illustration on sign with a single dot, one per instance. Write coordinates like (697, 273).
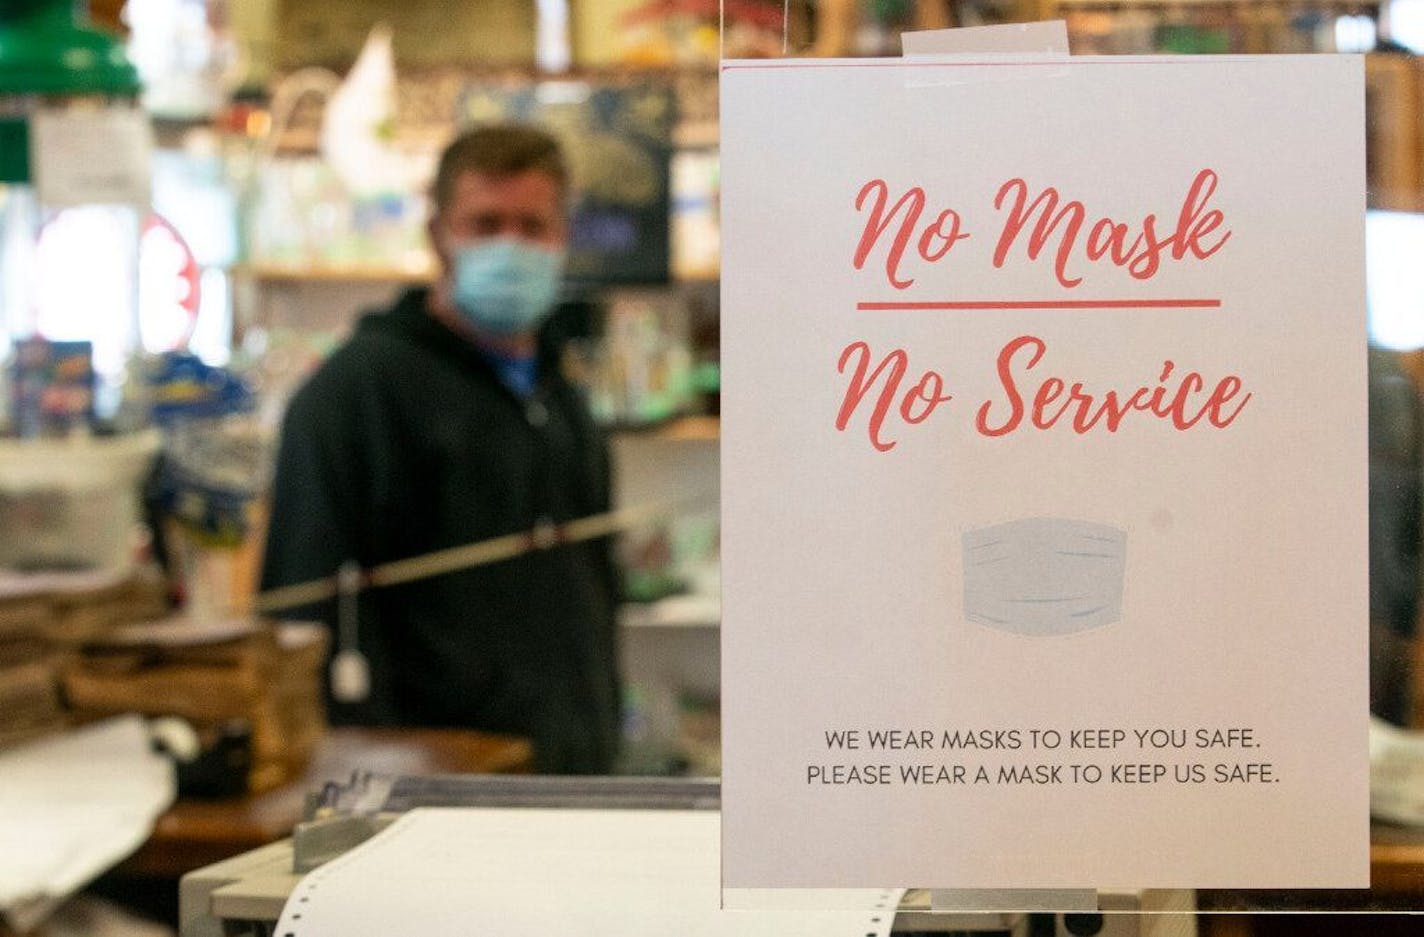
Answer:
(1044, 576)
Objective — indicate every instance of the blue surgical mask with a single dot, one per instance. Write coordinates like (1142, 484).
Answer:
(507, 286)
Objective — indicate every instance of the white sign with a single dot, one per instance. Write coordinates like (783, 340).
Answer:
(91, 156)
(1044, 533)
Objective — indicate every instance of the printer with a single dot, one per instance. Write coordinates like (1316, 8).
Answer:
(245, 896)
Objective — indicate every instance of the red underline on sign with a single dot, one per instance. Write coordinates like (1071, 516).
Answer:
(971, 304)
(744, 65)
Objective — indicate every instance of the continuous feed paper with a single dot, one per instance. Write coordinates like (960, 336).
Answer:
(532, 872)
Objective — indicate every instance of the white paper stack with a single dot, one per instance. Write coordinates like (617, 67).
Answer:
(72, 806)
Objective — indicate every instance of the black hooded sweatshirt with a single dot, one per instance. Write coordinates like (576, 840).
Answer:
(405, 441)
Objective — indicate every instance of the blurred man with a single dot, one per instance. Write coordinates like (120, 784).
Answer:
(445, 421)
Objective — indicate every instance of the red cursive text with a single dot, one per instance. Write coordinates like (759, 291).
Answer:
(935, 239)
(915, 406)
(1142, 256)
(1056, 399)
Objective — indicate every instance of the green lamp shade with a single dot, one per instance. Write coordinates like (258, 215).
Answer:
(43, 50)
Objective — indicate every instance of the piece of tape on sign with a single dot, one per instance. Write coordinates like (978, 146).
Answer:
(1044, 576)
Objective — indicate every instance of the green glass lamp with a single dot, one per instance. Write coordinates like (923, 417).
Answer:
(48, 50)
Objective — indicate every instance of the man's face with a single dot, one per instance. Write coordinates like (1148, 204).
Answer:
(527, 206)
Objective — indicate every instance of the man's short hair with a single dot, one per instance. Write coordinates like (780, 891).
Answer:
(499, 150)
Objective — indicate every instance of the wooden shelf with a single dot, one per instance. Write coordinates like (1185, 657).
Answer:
(355, 273)
(693, 428)
(360, 273)
(682, 429)
(678, 611)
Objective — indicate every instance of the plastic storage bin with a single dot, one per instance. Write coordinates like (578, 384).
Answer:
(72, 504)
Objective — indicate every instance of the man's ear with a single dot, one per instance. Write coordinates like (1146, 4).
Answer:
(437, 244)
